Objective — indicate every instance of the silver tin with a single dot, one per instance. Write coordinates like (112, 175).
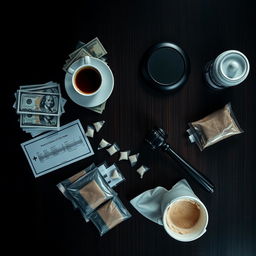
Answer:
(229, 69)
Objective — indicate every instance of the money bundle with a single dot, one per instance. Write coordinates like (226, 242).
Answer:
(94, 48)
(39, 107)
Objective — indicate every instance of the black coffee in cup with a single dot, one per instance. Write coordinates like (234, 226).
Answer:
(87, 80)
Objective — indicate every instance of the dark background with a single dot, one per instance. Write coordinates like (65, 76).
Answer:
(38, 38)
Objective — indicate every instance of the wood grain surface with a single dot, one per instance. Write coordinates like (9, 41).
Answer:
(39, 219)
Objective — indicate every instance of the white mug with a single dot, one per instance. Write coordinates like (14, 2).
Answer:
(86, 64)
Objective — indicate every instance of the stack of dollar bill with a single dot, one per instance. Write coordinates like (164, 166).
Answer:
(94, 48)
(39, 107)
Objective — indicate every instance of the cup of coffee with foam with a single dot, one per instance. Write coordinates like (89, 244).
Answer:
(87, 78)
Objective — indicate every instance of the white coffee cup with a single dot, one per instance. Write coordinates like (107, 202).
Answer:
(86, 78)
(155, 203)
(187, 234)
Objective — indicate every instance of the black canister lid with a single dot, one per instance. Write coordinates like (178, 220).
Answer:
(166, 66)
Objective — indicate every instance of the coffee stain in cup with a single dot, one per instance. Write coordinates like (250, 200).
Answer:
(182, 216)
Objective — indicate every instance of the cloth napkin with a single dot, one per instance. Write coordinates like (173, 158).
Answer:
(152, 203)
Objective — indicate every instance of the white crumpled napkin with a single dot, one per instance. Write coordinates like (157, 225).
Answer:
(152, 203)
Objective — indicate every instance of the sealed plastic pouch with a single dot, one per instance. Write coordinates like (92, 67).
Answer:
(90, 191)
(90, 131)
(124, 155)
(103, 144)
(62, 186)
(142, 170)
(109, 215)
(113, 149)
(213, 128)
(98, 125)
(134, 159)
(112, 175)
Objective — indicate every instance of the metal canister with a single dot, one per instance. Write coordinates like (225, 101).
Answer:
(229, 69)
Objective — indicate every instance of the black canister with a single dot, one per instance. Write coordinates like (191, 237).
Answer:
(166, 66)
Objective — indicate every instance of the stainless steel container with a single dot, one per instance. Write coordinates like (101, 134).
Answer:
(229, 69)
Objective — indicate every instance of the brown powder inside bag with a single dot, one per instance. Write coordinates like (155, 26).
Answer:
(217, 126)
(110, 214)
(77, 176)
(93, 194)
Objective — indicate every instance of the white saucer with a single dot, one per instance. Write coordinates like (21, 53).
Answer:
(106, 87)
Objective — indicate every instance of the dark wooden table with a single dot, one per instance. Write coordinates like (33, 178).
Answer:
(37, 44)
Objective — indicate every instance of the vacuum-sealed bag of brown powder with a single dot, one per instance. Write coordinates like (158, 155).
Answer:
(90, 191)
(213, 128)
(109, 215)
(62, 186)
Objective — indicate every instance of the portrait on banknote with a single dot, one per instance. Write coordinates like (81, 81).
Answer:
(47, 103)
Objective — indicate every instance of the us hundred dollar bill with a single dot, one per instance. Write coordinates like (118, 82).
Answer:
(38, 103)
(80, 53)
(95, 48)
(98, 109)
(76, 51)
(52, 88)
(34, 86)
(39, 121)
